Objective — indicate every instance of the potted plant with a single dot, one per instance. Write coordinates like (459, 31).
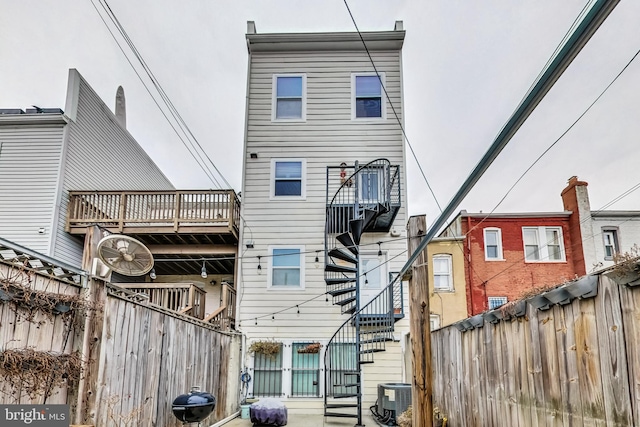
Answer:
(311, 348)
(267, 347)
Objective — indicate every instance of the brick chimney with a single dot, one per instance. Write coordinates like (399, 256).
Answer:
(575, 198)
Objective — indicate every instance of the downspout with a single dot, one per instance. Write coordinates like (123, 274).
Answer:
(468, 269)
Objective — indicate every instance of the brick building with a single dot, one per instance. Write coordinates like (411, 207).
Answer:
(508, 254)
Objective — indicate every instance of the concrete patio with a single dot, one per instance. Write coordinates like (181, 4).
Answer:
(315, 420)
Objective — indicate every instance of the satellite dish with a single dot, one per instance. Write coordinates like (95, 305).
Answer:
(125, 255)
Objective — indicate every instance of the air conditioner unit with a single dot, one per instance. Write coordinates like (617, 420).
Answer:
(395, 398)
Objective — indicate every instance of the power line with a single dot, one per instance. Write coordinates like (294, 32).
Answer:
(392, 106)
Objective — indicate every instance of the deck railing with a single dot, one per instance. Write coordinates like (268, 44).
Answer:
(120, 209)
(185, 298)
(225, 316)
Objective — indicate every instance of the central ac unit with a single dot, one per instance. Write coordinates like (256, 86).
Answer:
(394, 397)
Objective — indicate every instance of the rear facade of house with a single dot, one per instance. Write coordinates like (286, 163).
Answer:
(324, 218)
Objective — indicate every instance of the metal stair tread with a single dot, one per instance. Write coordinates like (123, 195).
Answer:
(340, 415)
(341, 405)
(337, 253)
(347, 242)
(339, 280)
(346, 300)
(374, 340)
(341, 291)
(371, 350)
(340, 268)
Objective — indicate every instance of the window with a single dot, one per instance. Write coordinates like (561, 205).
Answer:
(267, 374)
(610, 237)
(305, 370)
(367, 96)
(493, 244)
(287, 270)
(434, 321)
(495, 302)
(442, 280)
(370, 185)
(289, 97)
(543, 244)
(288, 179)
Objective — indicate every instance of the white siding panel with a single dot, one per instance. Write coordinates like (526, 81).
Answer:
(100, 155)
(327, 138)
(29, 165)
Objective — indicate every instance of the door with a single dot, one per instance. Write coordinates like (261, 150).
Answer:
(373, 271)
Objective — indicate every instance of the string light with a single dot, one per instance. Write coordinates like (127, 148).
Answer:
(203, 273)
(298, 313)
(379, 249)
(366, 281)
(259, 265)
(256, 321)
(273, 317)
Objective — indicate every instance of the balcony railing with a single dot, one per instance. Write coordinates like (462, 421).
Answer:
(165, 210)
(185, 298)
(224, 317)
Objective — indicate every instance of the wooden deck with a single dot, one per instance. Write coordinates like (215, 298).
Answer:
(155, 212)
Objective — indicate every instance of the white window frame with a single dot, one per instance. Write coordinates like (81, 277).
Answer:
(500, 254)
(287, 367)
(449, 258)
(274, 99)
(303, 180)
(501, 300)
(270, 268)
(614, 240)
(543, 248)
(434, 321)
(383, 97)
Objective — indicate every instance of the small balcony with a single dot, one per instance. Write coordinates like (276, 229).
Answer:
(189, 298)
(195, 213)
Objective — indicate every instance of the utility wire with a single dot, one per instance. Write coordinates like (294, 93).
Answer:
(392, 106)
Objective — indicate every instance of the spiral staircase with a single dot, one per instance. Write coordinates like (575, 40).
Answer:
(366, 201)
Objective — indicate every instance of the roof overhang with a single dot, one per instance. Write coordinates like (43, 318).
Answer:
(32, 119)
(516, 215)
(291, 42)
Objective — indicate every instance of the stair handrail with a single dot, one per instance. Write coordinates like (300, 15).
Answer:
(353, 175)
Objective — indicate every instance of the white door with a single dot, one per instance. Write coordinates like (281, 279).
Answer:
(373, 273)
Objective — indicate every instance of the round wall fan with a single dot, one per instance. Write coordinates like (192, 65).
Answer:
(125, 255)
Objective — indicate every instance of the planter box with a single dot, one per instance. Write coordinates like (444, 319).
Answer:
(558, 296)
(477, 321)
(490, 317)
(539, 302)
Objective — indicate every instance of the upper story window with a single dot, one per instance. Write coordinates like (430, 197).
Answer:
(367, 96)
(287, 267)
(610, 238)
(543, 244)
(493, 244)
(442, 274)
(495, 302)
(289, 97)
(288, 178)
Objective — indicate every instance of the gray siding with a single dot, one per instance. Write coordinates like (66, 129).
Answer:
(328, 137)
(29, 168)
(99, 155)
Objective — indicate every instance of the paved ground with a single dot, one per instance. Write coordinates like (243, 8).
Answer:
(297, 420)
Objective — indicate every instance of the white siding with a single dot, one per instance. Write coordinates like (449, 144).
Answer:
(29, 167)
(627, 231)
(99, 155)
(328, 137)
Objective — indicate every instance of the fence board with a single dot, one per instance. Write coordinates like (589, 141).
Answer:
(630, 304)
(613, 363)
(572, 365)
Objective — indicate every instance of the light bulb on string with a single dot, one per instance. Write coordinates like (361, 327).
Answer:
(259, 265)
(366, 281)
(317, 260)
(379, 250)
(256, 321)
(298, 313)
(273, 317)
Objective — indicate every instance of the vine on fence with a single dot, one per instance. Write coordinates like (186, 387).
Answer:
(38, 373)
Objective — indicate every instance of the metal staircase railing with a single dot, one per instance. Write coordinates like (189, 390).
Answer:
(360, 199)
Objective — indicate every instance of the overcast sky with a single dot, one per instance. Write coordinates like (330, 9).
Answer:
(467, 65)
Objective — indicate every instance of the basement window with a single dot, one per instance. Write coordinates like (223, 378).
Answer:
(495, 302)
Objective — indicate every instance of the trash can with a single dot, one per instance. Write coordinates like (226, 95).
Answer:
(244, 411)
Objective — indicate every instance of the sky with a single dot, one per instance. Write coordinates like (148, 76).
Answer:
(467, 65)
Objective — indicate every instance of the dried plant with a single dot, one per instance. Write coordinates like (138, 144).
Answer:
(268, 347)
(312, 348)
(406, 418)
(627, 262)
(37, 373)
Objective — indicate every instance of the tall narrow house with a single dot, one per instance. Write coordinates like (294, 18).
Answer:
(324, 214)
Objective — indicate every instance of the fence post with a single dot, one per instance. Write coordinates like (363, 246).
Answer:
(420, 328)
(88, 337)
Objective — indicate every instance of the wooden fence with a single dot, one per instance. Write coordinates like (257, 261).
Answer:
(136, 358)
(576, 364)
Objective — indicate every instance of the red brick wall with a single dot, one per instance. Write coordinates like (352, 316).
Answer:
(513, 276)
